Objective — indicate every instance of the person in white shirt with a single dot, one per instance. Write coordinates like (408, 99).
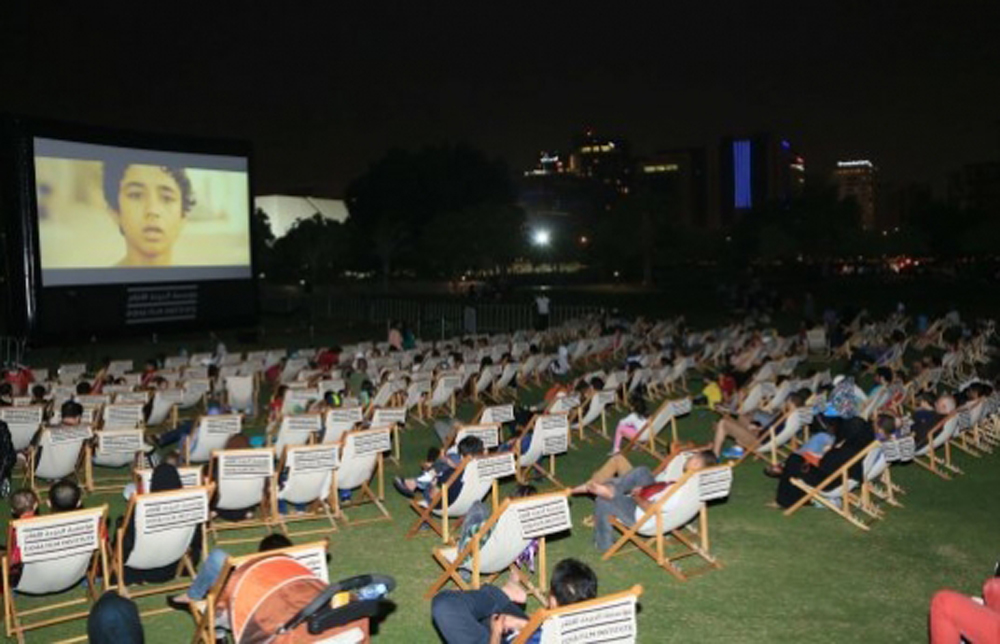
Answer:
(542, 308)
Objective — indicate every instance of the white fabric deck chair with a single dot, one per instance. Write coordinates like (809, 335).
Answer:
(499, 414)
(502, 385)
(122, 416)
(841, 499)
(597, 410)
(114, 449)
(339, 421)
(63, 451)
(190, 477)
(291, 370)
(361, 459)
(935, 456)
(666, 519)
(478, 476)
(308, 480)
(549, 437)
(209, 434)
(486, 376)
(295, 429)
(165, 524)
(243, 480)
(23, 423)
(497, 543)
(241, 394)
(489, 433)
(68, 374)
(58, 551)
(773, 444)
(312, 556)
(647, 438)
(415, 395)
(609, 619)
(195, 392)
(164, 409)
(443, 395)
(394, 417)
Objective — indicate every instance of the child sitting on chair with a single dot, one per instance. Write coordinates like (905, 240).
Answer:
(440, 470)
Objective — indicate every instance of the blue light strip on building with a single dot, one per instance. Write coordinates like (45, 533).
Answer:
(743, 195)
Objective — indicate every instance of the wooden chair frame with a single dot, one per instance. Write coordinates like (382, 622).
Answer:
(538, 618)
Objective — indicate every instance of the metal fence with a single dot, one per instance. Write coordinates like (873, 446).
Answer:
(428, 318)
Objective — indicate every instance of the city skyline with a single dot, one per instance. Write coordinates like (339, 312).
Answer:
(323, 93)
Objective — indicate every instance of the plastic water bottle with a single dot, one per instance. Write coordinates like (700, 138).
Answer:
(372, 591)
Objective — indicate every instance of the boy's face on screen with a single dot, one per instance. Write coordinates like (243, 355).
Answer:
(150, 214)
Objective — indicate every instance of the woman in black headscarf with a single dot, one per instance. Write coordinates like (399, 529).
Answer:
(165, 478)
(852, 435)
(8, 458)
(114, 620)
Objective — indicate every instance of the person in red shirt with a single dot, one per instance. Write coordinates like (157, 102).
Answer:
(20, 378)
(23, 505)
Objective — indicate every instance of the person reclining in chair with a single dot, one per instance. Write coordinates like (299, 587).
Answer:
(491, 615)
(629, 495)
(438, 471)
(747, 429)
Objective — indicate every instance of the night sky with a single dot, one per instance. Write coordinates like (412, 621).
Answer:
(322, 91)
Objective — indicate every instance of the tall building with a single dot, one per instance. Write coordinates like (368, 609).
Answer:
(606, 160)
(858, 180)
(757, 171)
(682, 176)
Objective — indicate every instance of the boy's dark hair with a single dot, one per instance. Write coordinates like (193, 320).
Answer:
(470, 446)
(597, 383)
(433, 454)
(64, 496)
(927, 397)
(799, 398)
(886, 423)
(572, 581)
(114, 172)
(22, 501)
(6, 389)
(71, 409)
(638, 404)
(274, 542)
(38, 391)
(83, 388)
(885, 373)
(708, 457)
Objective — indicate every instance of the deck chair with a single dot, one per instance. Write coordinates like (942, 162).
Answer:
(842, 499)
(550, 437)
(666, 519)
(505, 382)
(499, 414)
(58, 551)
(415, 395)
(647, 438)
(23, 423)
(608, 619)
(165, 524)
(241, 394)
(164, 409)
(114, 449)
(243, 478)
(497, 543)
(597, 409)
(935, 456)
(339, 421)
(63, 452)
(774, 443)
(210, 433)
(489, 433)
(122, 416)
(443, 395)
(486, 376)
(195, 392)
(361, 460)
(311, 555)
(308, 472)
(295, 429)
(478, 476)
(394, 417)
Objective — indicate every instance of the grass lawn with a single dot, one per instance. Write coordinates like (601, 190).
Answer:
(808, 578)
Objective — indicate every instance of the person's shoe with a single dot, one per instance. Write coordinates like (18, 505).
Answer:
(400, 486)
(176, 605)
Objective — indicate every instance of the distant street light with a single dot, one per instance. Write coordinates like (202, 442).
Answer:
(541, 237)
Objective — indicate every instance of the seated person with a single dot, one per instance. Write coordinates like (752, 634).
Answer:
(851, 435)
(114, 619)
(747, 430)
(957, 618)
(211, 569)
(630, 426)
(629, 496)
(23, 505)
(439, 471)
(65, 496)
(929, 413)
(492, 614)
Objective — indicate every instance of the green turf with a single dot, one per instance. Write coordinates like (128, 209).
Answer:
(806, 578)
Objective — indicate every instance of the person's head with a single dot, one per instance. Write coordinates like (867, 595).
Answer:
(925, 400)
(114, 620)
(23, 502)
(597, 383)
(71, 412)
(362, 365)
(945, 404)
(65, 496)
(470, 446)
(274, 541)
(638, 404)
(38, 393)
(165, 478)
(83, 388)
(883, 375)
(700, 460)
(149, 203)
(524, 491)
(572, 582)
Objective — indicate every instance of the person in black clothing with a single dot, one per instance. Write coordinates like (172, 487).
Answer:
(926, 416)
(851, 436)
